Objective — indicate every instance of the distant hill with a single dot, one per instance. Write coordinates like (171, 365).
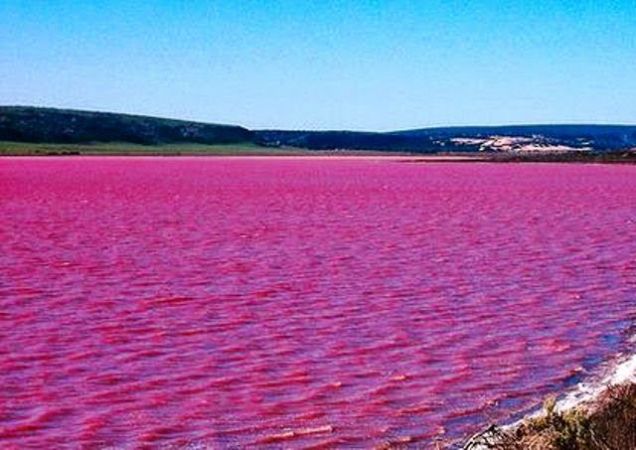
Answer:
(342, 140)
(464, 139)
(49, 125)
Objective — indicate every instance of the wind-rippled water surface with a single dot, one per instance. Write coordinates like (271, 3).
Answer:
(239, 302)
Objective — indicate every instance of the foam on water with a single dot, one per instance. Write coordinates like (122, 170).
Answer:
(623, 372)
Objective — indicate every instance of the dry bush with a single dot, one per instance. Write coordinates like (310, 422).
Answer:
(607, 424)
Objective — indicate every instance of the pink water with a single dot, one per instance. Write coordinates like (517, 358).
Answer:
(289, 303)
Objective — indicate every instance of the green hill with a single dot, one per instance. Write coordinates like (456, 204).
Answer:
(50, 125)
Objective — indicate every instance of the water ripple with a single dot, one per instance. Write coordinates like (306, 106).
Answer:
(301, 303)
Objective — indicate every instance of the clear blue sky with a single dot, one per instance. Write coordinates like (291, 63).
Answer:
(367, 64)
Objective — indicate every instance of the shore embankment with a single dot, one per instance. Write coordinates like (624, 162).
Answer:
(598, 415)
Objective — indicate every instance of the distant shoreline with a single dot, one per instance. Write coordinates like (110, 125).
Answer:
(14, 149)
(64, 131)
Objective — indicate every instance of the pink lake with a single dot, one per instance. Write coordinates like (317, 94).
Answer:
(299, 303)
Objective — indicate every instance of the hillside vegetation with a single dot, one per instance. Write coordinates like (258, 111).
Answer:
(48, 125)
(60, 126)
(526, 138)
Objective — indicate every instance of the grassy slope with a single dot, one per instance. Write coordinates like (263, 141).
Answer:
(8, 148)
(31, 149)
